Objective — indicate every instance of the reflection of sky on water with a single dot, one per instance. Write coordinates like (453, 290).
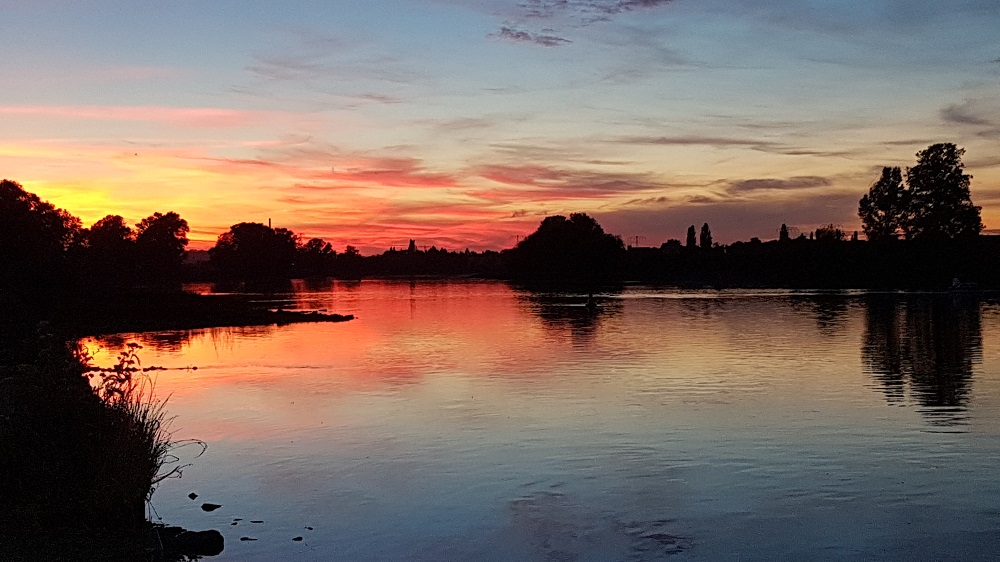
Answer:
(471, 421)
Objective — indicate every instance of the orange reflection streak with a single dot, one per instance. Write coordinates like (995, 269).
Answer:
(445, 341)
(266, 375)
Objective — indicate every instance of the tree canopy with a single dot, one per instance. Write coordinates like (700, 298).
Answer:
(935, 202)
(705, 237)
(573, 250)
(160, 241)
(251, 250)
(940, 205)
(883, 209)
(34, 235)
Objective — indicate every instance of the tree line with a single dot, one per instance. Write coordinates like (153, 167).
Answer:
(917, 230)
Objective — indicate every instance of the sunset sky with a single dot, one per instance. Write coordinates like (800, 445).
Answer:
(463, 123)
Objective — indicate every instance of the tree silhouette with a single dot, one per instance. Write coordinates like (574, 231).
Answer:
(940, 205)
(316, 258)
(160, 241)
(112, 231)
(34, 235)
(830, 233)
(574, 250)
(705, 237)
(691, 241)
(349, 263)
(252, 251)
(883, 210)
(109, 252)
(783, 233)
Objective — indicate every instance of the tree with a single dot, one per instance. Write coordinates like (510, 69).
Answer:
(783, 233)
(884, 209)
(109, 254)
(574, 250)
(254, 251)
(160, 241)
(691, 242)
(830, 233)
(940, 205)
(112, 232)
(315, 258)
(705, 237)
(349, 263)
(34, 235)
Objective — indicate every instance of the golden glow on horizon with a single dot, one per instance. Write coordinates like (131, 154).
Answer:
(379, 202)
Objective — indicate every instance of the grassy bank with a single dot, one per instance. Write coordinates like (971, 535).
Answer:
(79, 459)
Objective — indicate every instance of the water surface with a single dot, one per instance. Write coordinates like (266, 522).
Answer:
(473, 421)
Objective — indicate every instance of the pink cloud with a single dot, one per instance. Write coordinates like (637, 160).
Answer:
(202, 117)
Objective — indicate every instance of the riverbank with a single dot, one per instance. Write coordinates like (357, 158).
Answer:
(81, 451)
(73, 315)
(79, 458)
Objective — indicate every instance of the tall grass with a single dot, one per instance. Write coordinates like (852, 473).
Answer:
(82, 449)
(137, 431)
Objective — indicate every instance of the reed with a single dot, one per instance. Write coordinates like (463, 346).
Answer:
(82, 449)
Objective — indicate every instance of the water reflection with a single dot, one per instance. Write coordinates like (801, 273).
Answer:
(176, 341)
(468, 421)
(925, 347)
(578, 314)
(828, 309)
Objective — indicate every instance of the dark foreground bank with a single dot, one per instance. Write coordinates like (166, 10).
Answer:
(82, 449)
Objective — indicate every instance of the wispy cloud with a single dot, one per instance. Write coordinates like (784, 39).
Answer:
(696, 140)
(557, 183)
(979, 114)
(341, 171)
(561, 14)
(521, 36)
(969, 112)
(773, 184)
(207, 117)
(587, 11)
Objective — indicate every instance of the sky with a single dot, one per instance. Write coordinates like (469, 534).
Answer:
(462, 123)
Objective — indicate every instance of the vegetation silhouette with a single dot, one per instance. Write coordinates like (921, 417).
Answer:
(705, 237)
(921, 233)
(160, 240)
(253, 251)
(935, 203)
(34, 238)
(923, 349)
(80, 459)
(690, 241)
(574, 250)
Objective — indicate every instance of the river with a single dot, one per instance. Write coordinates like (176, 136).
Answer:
(474, 421)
